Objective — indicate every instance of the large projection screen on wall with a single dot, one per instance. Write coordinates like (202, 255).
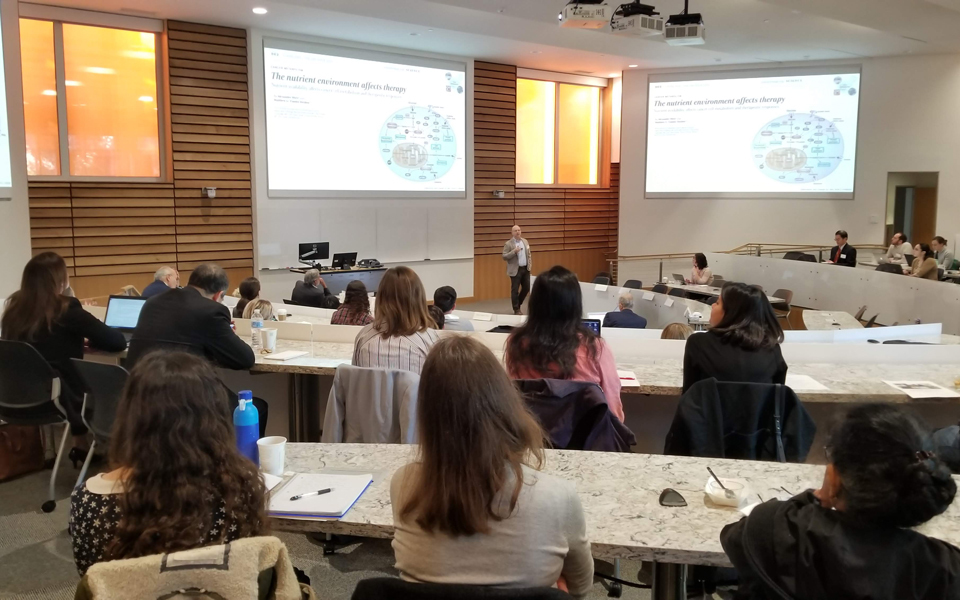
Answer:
(785, 133)
(346, 122)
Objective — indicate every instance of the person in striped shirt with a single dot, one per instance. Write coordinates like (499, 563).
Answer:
(402, 332)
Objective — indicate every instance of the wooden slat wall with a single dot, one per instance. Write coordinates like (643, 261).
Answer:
(115, 234)
(577, 226)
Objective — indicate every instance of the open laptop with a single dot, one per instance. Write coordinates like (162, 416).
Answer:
(679, 278)
(123, 312)
(344, 260)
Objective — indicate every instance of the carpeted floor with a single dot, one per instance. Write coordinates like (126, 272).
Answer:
(36, 560)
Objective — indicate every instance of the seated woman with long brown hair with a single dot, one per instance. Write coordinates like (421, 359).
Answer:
(56, 325)
(474, 508)
(355, 309)
(178, 481)
(402, 331)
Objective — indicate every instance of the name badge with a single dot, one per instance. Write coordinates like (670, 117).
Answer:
(843, 256)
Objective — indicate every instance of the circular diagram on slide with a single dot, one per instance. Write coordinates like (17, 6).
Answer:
(418, 144)
(798, 148)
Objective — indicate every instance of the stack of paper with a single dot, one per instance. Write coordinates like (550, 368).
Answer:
(345, 490)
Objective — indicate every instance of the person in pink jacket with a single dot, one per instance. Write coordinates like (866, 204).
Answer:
(554, 344)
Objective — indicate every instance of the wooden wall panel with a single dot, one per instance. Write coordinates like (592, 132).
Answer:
(115, 234)
(575, 227)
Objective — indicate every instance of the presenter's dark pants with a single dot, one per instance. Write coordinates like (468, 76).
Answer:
(519, 287)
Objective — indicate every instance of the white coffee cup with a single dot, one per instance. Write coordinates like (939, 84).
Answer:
(269, 337)
(281, 314)
(272, 454)
(666, 279)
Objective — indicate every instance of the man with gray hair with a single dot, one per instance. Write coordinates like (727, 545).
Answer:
(312, 291)
(624, 315)
(164, 279)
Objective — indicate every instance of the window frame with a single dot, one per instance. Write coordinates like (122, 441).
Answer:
(60, 16)
(556, 79)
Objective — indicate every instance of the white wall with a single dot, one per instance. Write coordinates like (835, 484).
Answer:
(14, 212)
(395, 231)
(908, 122)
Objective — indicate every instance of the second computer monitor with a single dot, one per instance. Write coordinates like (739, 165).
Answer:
(314, 252)
(344, 260)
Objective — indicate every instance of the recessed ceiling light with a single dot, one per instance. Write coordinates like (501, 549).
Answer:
(614, 74)
(71, 83)
(100, 70)
(633, 66)
(259, 10)
(145, 98)
(49, 92)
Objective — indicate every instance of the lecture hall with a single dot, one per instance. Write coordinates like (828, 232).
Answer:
(479, 299)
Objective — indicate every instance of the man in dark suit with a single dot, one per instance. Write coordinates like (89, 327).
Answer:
(192, 319)
(312, 291)
(624, 315)
(843, 253)
(164, 279)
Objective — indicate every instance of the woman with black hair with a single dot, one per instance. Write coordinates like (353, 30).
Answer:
(249, 291)
(851, 538)
(742, 344)
(924, 264)
(554, 344)
(701, 273)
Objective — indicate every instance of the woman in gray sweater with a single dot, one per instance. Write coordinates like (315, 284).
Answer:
(474, 508)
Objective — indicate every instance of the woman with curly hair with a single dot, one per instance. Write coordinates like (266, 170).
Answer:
(355, 309)
(178, 481)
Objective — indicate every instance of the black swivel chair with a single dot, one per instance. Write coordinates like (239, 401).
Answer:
(633, 284)
(104, 383)
(660, 289)
(30, 395)
(601, 280)
(801, 256)
(388, 588)
(678, 292)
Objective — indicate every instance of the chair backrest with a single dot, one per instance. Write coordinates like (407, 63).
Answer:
(104, 383)
(678, 292)
(718, 280)
(786, 295)
(660, 288)
(388, 588)
(26, 378)
(600, 279)
(633, 284)
(792, 255)
(575, 415)
(872, 321)
(747, 421)
(371, 406)
(890, 268)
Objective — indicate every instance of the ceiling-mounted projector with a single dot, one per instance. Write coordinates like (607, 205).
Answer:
(585, 14)
(636, 19)
(685, 29)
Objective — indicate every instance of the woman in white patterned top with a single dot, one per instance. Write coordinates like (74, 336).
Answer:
(402, 331)
(173, 447)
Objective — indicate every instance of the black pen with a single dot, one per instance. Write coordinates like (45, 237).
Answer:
(316, 493)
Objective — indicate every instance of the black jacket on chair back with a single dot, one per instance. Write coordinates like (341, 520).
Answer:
(575, 415)
(748, 421)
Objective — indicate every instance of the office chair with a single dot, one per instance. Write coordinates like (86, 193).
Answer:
(633, 284)
(30, 395)
(678, 292)
(601, 280)
(104, 383)
(783, 309)
(860, 312)
(871, 322)
(660, 289)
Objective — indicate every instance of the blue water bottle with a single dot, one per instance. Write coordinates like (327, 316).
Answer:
(246, 423)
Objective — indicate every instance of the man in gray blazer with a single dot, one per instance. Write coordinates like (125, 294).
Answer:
(944, 256)
(517, 254)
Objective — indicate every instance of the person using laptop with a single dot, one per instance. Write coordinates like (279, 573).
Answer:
(624, 315)
(842, 254)
(57, 325)
(164, 279)
(701, 273)
(194, 320)
(898, 250)
(312, 291)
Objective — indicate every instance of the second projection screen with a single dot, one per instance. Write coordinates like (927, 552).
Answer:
(348, 124)
(790, 135)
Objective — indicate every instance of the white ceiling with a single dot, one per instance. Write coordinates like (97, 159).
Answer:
(525, 32)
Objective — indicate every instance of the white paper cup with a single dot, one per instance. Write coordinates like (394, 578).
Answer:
(666, 280)
(269, 338)
(281, 314)
(272, 454)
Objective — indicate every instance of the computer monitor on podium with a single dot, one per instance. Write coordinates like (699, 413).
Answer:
(313, 253)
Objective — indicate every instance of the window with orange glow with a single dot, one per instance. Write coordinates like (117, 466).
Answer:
(40, 97)
(558, 133)
(109, 101)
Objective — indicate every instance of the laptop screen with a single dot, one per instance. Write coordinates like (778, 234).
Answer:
(123, 312)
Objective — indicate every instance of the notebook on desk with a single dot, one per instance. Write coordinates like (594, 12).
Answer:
(345, 490)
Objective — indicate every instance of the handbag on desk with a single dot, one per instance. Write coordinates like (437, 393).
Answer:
(21, 450)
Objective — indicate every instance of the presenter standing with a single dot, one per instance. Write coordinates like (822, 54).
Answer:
(517, 254)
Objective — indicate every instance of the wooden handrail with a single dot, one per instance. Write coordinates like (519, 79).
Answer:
(773, 248)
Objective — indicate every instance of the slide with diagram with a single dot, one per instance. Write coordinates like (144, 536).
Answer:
(783, 135)
(336, 123)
